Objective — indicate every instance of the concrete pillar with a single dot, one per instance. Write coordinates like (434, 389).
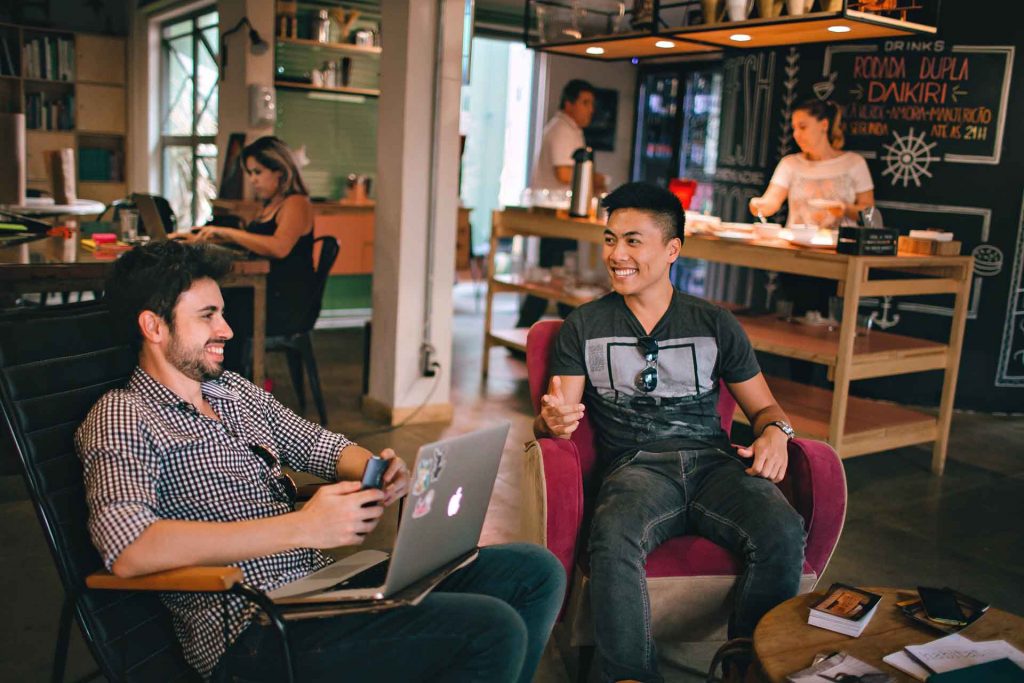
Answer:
(408, 155)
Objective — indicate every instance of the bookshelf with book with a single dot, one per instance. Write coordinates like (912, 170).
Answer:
(72, 89)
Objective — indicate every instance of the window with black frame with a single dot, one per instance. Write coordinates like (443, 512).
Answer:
(188, 114)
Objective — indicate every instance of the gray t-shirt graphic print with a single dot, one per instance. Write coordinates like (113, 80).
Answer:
(698, 344)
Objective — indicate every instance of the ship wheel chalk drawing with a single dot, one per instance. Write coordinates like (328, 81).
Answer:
(908, 158)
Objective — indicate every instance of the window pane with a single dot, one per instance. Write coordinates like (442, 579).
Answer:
(177, 29)
(207, 20)
(179, 87)
(178, 185)
(206, 82)
(206, 182)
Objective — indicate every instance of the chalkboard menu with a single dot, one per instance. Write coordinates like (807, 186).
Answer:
(917, 102)
(934, 118)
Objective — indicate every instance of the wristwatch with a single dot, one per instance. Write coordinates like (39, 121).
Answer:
(784, 426)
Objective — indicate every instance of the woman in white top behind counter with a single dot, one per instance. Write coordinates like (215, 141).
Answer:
(824, 185)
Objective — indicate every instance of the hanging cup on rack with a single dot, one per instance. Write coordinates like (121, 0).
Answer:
(713, 11)
(795, 7)
(768, 9)
(738, 10)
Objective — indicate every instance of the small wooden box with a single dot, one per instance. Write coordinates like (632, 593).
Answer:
(914, 245)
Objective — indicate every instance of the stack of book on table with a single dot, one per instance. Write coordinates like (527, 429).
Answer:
(954, 658)
(844, 609)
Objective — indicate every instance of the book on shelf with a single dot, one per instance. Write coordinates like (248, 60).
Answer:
(970, 606)
(7, 67)
(951, 653)
(844, 609)
(48, 58)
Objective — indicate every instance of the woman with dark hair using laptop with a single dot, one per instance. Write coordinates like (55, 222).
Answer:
(282, 231)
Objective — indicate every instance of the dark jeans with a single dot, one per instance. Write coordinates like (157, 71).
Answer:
(552, 253)
(655, 496)
(487, 622)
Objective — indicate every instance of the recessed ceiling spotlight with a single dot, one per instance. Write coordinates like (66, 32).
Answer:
(595, 50)
(740, 37)
(839, 28)
(665, 44)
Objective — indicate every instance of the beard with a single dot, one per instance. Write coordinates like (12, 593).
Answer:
(192, 362)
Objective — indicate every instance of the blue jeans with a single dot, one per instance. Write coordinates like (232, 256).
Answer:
(655, 496)
(487, 622)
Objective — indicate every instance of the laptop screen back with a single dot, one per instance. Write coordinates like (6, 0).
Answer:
(152, 222)
(450, 490)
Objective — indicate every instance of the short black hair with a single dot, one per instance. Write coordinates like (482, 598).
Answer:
(655, 200)
(572, 91)
(151, 277)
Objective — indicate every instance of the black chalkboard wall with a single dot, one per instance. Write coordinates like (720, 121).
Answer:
(939, 121)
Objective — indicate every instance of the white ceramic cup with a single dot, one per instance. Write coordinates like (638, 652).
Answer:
(795, 7)
(738, 10)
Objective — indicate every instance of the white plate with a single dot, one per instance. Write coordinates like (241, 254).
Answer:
(737, 227)
(734, 235)
(820, 240)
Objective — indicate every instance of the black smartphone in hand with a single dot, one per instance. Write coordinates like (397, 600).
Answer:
(940, 605)
(373, 475)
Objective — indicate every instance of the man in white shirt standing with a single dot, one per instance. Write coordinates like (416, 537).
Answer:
(552, 171)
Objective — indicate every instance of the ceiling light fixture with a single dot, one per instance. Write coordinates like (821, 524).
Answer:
(595, 50)
(665, 44)
(740, 37)
(839, 28)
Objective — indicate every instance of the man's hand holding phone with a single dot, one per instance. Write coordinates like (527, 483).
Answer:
(340, 514)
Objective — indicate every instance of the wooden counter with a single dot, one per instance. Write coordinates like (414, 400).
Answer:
(853, 426)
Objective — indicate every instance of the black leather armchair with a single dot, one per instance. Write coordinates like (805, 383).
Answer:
(55, 364)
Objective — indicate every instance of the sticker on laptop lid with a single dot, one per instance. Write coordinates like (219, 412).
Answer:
(423, 505)
(439, 463)
(424, 476)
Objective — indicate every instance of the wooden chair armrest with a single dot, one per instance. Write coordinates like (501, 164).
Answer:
(191, 579)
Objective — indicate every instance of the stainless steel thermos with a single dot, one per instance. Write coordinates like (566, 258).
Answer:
(582, 182)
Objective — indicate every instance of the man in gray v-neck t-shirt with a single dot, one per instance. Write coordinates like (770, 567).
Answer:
(646, 362)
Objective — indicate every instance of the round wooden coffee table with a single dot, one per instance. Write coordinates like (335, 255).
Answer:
(784, 642)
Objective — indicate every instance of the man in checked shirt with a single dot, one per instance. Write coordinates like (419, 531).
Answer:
(183, 467)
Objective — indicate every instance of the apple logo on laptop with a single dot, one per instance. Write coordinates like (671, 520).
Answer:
(454, 502)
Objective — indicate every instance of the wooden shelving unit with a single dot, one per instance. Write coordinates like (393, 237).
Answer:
(853, 426)
(96, 85)
(335, 47)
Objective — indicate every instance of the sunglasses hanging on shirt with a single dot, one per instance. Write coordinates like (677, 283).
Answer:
(647, 379)
(285, 484)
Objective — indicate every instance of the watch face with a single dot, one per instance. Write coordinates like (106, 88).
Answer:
(786, 429)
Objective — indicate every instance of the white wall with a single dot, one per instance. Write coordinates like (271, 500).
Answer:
(556, 70)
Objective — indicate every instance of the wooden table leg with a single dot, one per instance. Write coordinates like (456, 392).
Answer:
(956, 341)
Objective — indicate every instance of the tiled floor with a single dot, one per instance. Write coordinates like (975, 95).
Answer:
(904, 526)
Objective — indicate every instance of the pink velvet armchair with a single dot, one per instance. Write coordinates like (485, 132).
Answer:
(690, 579)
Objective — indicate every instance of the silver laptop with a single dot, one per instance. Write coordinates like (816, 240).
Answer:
(443, 514)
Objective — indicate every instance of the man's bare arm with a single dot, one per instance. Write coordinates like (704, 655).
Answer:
(769, 450)
(334, 517)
